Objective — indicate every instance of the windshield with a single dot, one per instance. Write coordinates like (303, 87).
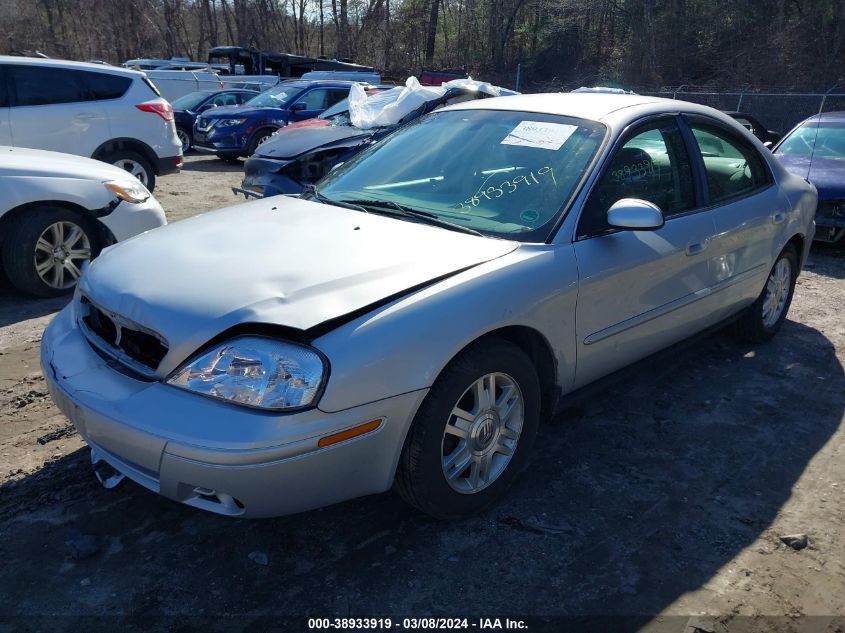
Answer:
(190, 100)
(504, 174)
(273, 98)
(828, 138)
(337, 108)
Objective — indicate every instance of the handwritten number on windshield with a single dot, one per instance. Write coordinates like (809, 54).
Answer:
(510, 186)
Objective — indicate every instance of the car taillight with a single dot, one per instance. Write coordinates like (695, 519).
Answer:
(161, 108)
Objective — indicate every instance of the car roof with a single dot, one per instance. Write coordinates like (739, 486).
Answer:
(826, 117)
(593, 106)
(64, 63)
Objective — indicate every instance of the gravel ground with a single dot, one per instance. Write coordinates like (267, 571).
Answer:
(664, 495)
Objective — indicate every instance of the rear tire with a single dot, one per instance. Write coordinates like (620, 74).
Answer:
(456, 464)
(133, 164)
(44, 249)
(764, 318)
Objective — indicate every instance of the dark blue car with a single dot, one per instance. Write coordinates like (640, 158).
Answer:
(815, 150)
(187, 107)
(238, 131)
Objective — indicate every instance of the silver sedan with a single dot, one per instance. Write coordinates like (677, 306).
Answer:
(413, 320)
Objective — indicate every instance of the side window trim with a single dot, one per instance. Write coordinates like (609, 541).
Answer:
(689, 119)
(629, 132)
(699, 172)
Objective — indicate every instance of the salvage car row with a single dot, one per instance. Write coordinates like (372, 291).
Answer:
(257, 361)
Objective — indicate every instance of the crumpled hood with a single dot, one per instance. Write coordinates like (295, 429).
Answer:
(828, 175)
(281, 261)
(297, 141)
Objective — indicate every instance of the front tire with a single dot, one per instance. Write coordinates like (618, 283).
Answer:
(258, 138)
(44, 250)
(472, 433)
(764, 318)
(186, 138)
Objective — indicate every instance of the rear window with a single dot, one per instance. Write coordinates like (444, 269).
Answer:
(41, 85)
(152, 86)
(101, 86)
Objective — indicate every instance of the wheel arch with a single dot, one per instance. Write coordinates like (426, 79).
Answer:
(103, 234)
(799, 242)
(130, 144)
(539, 351)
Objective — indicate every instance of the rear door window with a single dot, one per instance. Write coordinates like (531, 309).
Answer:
(43, 85)
(734, 168)
(103, 86)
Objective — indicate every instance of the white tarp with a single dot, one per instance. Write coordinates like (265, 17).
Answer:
(389, 107)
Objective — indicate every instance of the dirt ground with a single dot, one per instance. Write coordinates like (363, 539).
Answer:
(660, 502)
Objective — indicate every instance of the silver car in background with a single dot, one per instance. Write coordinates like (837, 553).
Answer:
(412, 320)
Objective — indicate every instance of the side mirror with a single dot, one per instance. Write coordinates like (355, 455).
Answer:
(207, 106)
(635, 215)
(298, 107)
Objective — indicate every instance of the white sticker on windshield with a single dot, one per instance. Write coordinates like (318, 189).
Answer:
(540, 134)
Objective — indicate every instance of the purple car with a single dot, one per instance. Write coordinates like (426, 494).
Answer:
(815, 149)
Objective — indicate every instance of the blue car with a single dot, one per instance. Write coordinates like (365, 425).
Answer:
(815, 150)
(237, 131)
(188, 107)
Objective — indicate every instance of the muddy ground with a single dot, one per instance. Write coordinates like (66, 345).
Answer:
(664, 495)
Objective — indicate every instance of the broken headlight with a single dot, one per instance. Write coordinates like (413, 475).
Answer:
(256, 372)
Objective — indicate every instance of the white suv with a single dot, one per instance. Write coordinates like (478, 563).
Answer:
(58, 211)
(111, 114)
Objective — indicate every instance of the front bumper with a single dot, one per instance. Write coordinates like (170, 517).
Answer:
(268, 175)
(201, 452)
(128, 220)
(213, 140)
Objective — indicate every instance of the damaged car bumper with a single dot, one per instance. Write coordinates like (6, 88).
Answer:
(225, 459)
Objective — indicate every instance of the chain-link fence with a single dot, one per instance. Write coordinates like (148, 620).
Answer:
(777, 111)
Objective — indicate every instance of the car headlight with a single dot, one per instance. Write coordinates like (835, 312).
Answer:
(256, 372)
(130, 190)
(230, 122)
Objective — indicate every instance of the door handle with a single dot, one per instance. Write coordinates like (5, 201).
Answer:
(84, 116)
(697, 247)
(778, 217)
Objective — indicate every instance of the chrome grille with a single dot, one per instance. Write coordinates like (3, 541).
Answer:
(139, 349)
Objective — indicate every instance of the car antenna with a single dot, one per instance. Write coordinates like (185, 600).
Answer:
(818, 125)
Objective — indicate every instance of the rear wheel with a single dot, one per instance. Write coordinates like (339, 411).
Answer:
(763, 318)
(473, 432)
(134, 164)
(44, 250)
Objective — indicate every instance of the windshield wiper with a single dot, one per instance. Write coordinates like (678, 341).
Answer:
(311, 190)
(424, 216)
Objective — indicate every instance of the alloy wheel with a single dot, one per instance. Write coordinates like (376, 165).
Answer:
(184, 138)
(777, 292)
(482, 433)
(59, 254)
(135, 168)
